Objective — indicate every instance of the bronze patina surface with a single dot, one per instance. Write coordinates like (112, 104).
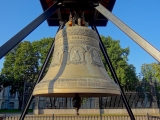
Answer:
(76, 67)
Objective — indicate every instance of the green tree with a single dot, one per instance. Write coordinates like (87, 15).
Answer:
(131, 78)
(7, 74)
(4, 82)
(26, 64)
(151, 71)
(41, 48)
(119, 57)
(20, 66)
(9, 63)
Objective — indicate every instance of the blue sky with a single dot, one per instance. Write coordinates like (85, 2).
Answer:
(141, 15)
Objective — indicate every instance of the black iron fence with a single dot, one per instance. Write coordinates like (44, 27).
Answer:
(151, 117)
(142, 95)
(82, 117)
(102, 117)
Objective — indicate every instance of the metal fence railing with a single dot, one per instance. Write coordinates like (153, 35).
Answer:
(92, 117)
(81, 117)
(151, 117)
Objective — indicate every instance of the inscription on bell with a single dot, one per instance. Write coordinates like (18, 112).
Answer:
(85, 83)
(82, 84)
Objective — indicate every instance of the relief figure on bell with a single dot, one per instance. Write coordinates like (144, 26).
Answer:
(95, 56)
(76, 56)
(57, 57)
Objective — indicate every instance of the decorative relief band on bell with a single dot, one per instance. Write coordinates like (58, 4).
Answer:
(77, 46)
(75, 40)
(77, 31)
(78, 42)
(76, 52)
(76, 55)
(78, 83)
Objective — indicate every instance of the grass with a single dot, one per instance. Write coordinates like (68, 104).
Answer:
(12, 111)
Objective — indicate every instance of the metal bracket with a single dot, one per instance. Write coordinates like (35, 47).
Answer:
(128, 31)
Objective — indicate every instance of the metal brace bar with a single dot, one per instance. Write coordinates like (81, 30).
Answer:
(10, 44)
(40, 75)
(128, 31)
(114, 75)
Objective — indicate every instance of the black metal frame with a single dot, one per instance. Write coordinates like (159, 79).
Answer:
(109, 63)
(10, 44)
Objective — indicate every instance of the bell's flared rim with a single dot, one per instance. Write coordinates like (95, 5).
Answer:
(82, 92)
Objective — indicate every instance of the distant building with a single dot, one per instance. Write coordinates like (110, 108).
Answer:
(10, 101)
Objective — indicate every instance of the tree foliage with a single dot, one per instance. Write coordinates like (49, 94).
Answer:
(41, 47)
(119, 57)
(149, 71)
(22, 64)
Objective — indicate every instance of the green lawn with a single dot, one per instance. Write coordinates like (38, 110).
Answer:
(13, 111)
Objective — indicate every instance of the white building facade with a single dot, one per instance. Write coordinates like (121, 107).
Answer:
(10, 101)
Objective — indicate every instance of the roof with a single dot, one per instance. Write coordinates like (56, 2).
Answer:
(79, 5)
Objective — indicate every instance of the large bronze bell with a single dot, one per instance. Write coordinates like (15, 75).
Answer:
(76, 69)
